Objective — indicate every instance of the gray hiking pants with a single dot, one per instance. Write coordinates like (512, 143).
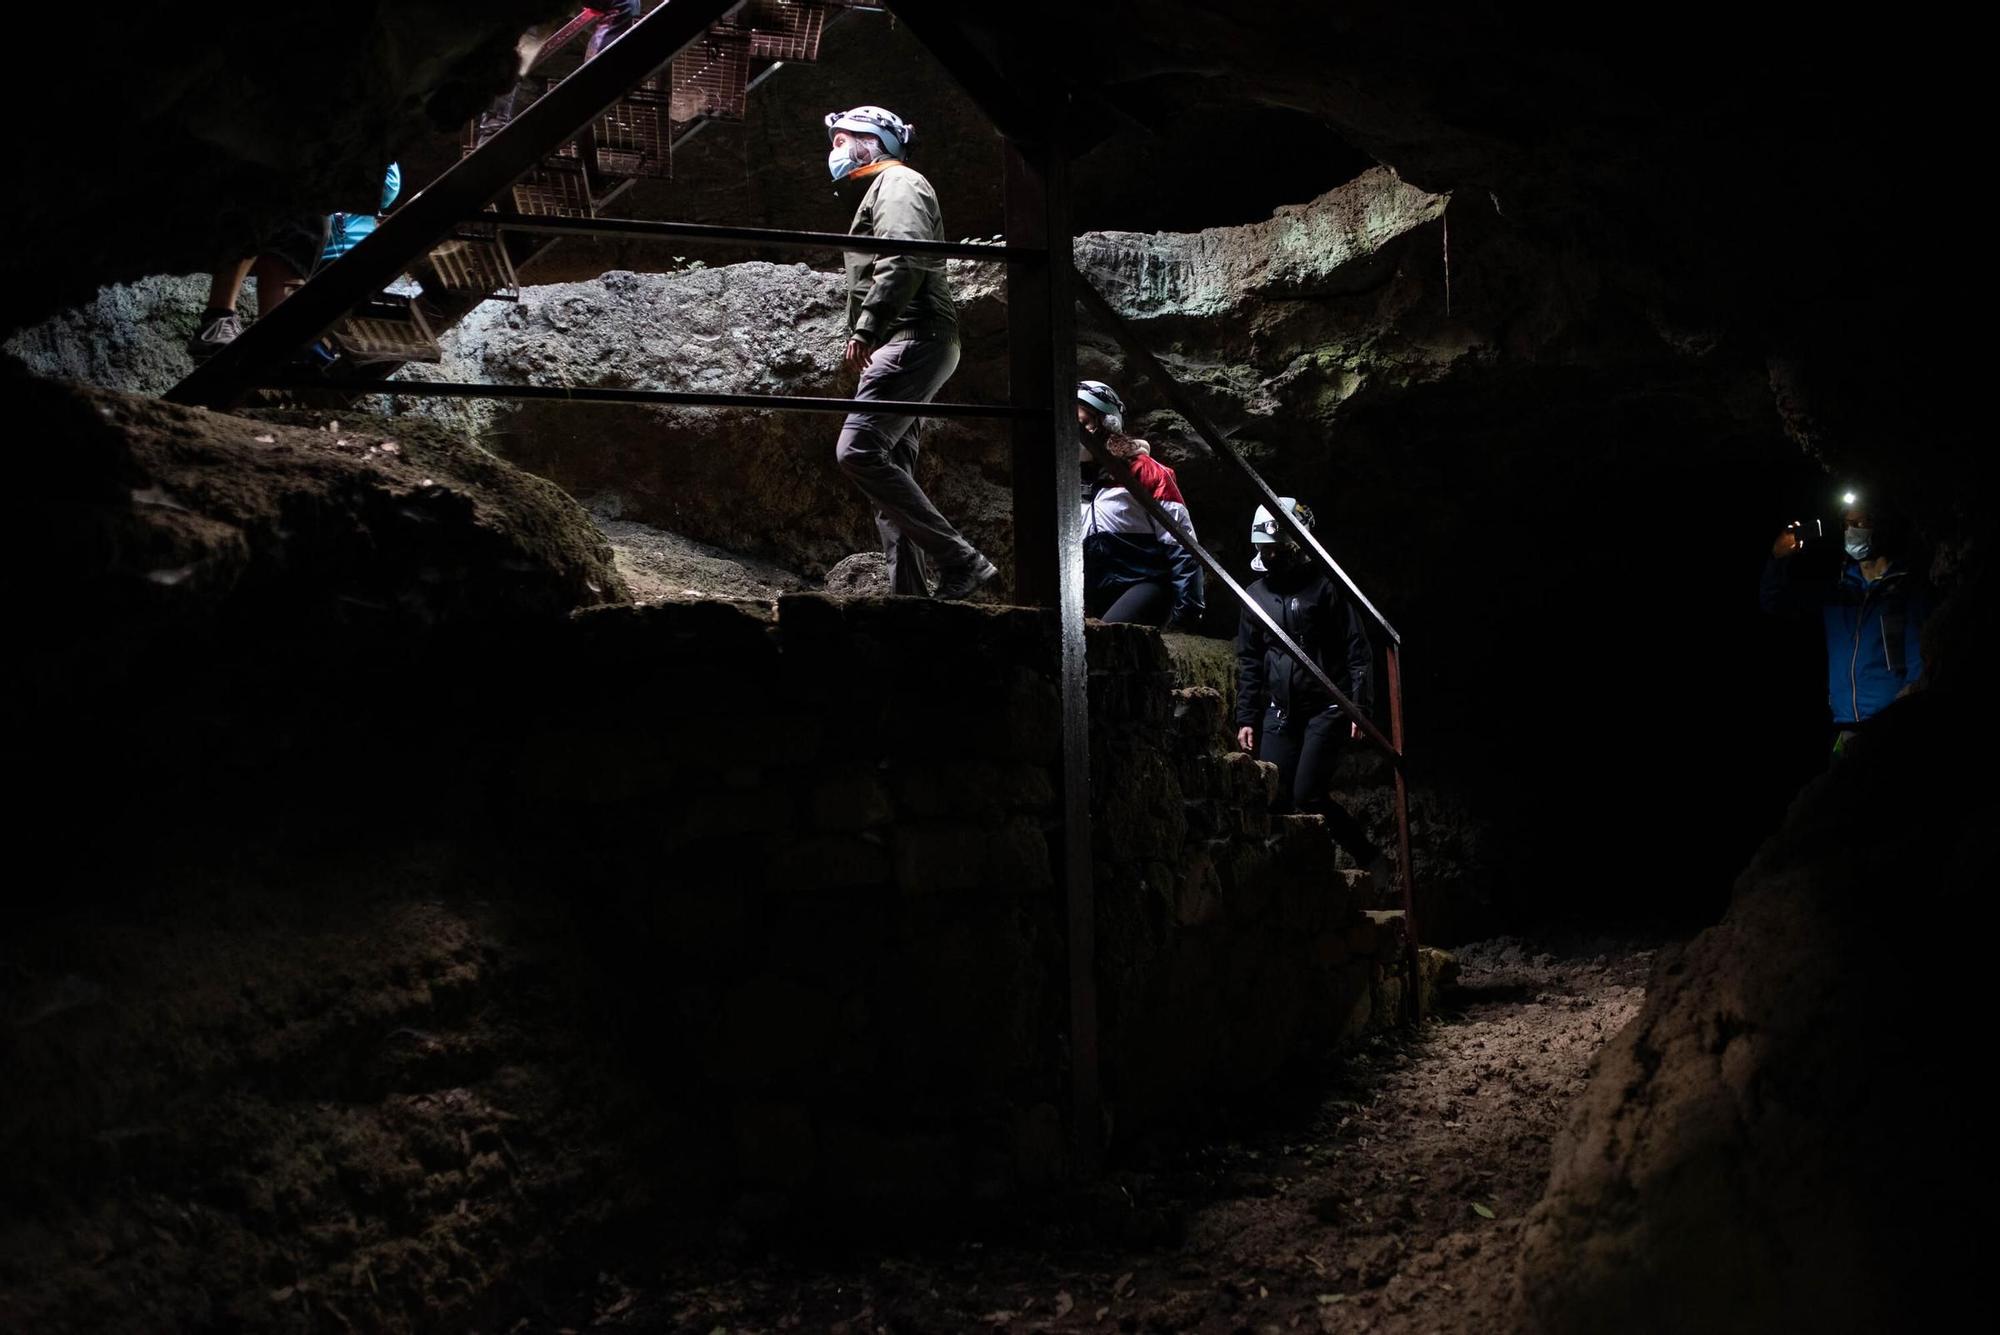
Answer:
(879, 452)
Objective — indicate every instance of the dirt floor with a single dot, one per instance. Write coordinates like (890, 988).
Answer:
(1389, 1202)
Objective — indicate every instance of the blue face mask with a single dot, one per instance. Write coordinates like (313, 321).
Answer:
(1860, 543)
(841, 162)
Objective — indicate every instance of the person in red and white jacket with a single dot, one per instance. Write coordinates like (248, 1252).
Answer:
(1134, 568)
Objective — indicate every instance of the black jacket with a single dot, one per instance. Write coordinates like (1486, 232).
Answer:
(1320, 618)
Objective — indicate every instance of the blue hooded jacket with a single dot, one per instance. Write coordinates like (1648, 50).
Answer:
(345, 230)
(1874, 631)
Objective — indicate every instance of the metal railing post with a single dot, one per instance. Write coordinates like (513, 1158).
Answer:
(1406, 872)
(1048, 559)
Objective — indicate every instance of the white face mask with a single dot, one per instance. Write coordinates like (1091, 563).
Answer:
(1860, 543)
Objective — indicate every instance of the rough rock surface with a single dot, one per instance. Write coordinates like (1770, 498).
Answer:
(759, 483)
(129, 337)
(657, 564)
(299, 1092)
(862, 575)
(1767, 1146)
(180, 516)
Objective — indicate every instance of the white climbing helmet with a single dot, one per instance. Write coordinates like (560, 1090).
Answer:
(1265, 529)
(1100, 396)
(894, 132)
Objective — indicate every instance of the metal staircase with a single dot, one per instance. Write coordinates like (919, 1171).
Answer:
(706, 81)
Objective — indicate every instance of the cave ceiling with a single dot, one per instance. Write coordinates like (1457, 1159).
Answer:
(1730, 173)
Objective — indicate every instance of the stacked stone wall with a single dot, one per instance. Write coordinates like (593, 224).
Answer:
(822, 846)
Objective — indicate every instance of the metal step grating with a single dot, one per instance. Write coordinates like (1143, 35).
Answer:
(711, 76)
(387, 329)
(783, 29)
(557, 188)
(475, 265)
(635, 137)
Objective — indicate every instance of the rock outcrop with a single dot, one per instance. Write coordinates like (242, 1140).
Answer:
(1772, 1144)
(182, 517)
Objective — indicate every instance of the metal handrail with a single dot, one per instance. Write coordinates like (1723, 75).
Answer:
(453, 389)
(1121, 471)
(1184, 404)
(647, 229)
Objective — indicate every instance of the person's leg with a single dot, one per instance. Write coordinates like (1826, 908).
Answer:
(1311, 790)
(276, 280)
(1148, 603)
(1281, 748)
(909, 568)
(220, 323)
(618, 16)
(872, 449)
(225, 284)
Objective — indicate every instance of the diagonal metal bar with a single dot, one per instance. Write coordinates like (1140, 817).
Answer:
(1184, 404)
(455, 389)
(408, 233)
(646, 229)
(1117, 468)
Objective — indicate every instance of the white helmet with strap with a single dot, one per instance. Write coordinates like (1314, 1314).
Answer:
(894, 132)
(1095, 394)
(1266, 531)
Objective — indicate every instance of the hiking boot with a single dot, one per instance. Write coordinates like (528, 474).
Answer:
(963, 580)
(214, 335)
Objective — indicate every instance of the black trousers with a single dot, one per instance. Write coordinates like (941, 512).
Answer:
(1150, 602)
(1305, 755)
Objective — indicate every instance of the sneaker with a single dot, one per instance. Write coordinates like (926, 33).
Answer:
(962, 581)
(213, 336)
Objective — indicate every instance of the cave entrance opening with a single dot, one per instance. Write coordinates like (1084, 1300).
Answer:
(682, 58)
